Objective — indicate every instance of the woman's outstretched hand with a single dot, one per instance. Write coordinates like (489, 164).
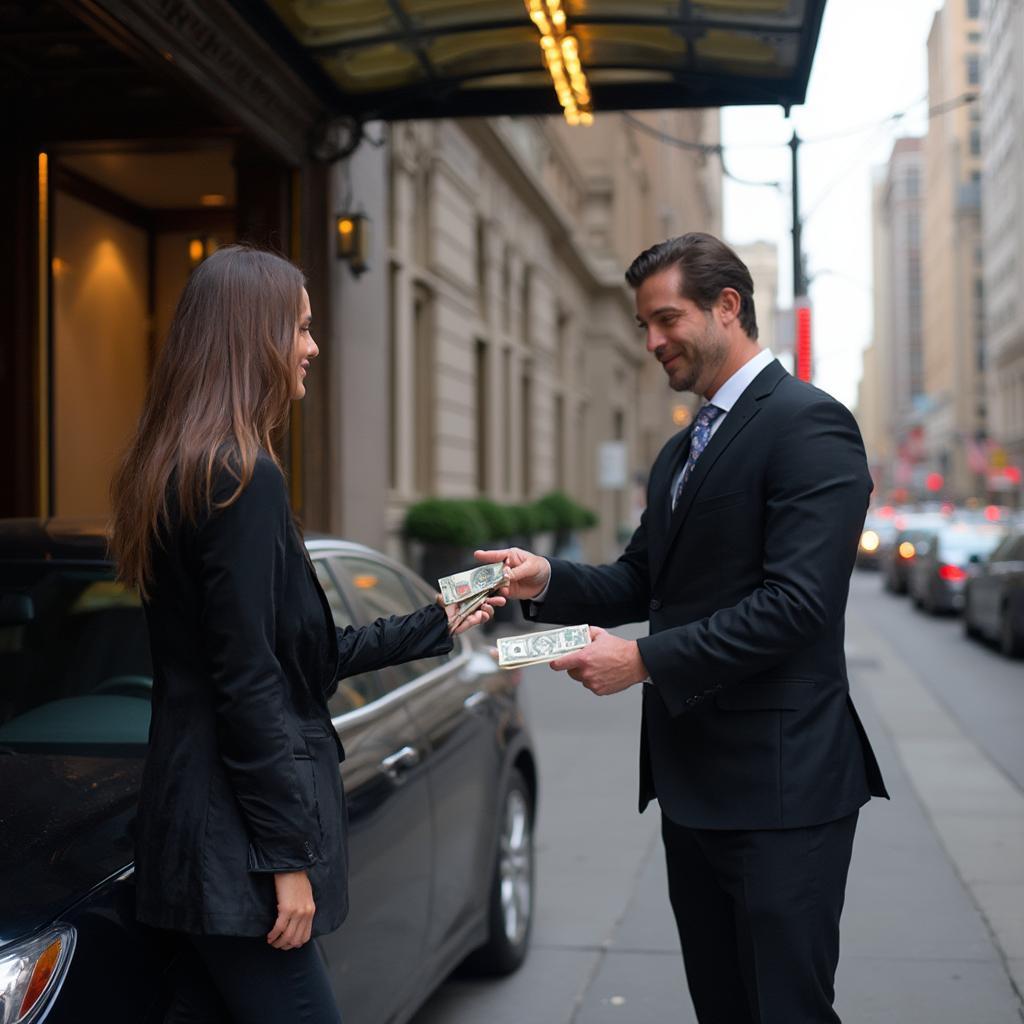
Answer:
(295, 910)
(483, 614)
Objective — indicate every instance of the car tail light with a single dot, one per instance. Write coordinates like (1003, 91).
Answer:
(952, 573)
(907, 550)
(31, 974)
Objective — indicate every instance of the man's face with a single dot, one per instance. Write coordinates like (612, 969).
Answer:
(686, 340)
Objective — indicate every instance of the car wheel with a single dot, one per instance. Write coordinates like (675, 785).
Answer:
(1010, 643)
(510, 914)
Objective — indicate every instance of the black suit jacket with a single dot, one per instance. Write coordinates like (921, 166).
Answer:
(748, 722)
(241, 777)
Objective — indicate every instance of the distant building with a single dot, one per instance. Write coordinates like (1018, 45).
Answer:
(900, 224)
(953, 338)
(762, 260)
(509, 358)
(875, 405)
(1002, 128)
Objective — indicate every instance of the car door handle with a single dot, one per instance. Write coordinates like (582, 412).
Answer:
(475, 700)
(396, 764)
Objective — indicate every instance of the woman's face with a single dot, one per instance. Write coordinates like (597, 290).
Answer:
(305, 348)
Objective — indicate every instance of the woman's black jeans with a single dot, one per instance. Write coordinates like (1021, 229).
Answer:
(224, 979)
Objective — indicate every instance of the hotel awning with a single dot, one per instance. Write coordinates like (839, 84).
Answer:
(397, 59)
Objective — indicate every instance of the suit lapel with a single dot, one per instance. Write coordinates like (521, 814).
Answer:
(660, 508)
(745, 409)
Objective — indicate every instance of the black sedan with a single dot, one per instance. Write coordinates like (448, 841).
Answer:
(994, 599)
(940, 566)
(440, 780)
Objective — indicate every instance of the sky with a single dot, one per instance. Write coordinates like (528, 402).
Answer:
(871, 63)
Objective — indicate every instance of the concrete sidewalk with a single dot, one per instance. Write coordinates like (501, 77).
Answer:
(916, 946)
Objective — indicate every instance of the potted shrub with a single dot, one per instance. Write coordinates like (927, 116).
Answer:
(447, 531)
(569, 517)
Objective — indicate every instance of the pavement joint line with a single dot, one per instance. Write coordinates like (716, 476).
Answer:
(927, 737)
(604, 948)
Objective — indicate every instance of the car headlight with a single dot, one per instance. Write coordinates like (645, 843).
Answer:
(869, 541)
(32, 972)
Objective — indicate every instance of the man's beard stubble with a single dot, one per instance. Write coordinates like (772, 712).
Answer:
(704, 358)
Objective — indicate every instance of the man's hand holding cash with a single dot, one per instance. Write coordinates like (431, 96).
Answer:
(604, 665)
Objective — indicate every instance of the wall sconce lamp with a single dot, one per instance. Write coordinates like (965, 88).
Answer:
(352, 232)
(200, 248)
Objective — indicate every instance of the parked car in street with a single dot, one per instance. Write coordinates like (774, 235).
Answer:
(875, 539)
(994, 596)
(897, 556)
(440, 780)
(939, 569)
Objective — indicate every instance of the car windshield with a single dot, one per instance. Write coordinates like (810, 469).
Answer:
(958, 548)
(75, 668)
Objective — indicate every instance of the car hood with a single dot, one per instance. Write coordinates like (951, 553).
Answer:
(64, 827)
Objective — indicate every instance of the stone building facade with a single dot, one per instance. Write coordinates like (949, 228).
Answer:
(511, 361)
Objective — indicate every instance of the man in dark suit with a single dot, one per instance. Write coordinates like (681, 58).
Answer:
(742, 564)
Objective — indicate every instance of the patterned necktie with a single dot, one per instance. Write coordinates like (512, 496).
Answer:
(698, 442)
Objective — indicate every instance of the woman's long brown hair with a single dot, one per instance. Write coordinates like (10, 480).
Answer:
(221, 386)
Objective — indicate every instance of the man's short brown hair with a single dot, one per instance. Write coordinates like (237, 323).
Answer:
(706, 265)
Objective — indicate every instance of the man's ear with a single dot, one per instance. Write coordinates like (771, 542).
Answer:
(728, 304)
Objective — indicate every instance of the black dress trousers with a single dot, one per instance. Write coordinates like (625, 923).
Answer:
(758, 918)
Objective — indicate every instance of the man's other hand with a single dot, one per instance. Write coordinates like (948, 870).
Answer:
(528, 573)
(609, 665)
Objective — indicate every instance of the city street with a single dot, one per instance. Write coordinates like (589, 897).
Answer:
(934, 923)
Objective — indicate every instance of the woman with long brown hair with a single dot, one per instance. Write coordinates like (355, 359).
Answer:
(240, 842)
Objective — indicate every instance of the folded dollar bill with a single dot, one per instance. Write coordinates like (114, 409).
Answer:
(464, 585)
(536, 648)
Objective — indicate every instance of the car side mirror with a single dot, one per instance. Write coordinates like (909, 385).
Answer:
(975, 559)
(16, 610)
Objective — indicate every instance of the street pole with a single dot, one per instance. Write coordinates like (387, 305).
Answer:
(799, 284)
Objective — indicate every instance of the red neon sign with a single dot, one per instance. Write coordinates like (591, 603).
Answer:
(803, 343)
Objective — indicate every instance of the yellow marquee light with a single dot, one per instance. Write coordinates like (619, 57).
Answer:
(561, 55)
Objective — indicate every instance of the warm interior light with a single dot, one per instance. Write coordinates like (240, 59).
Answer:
(561, 55)
(365, 582)
(907, 550)
(345, 226)
(680, 415)
(213, 199)
(195, 250)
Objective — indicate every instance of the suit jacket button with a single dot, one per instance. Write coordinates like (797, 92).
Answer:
(655, 604)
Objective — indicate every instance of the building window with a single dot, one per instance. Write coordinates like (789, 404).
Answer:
(912, 183)
(423, 361)
(482, 414)
(973, 69)
(526, 428)
(560, 463)
(393, 364)
(974, 9)
(481, 266)
(975, 142)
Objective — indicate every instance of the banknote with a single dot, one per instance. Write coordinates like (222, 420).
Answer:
(466, 608)
(463, 585)
(536, 648)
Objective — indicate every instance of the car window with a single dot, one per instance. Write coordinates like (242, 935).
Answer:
(1015, 552)
(382, 592)
(353, 691)
(76, 674)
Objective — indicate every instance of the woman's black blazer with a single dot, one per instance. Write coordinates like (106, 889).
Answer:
(241, 778)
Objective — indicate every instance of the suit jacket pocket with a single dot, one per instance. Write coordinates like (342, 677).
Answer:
(769, 695)
(717, 502)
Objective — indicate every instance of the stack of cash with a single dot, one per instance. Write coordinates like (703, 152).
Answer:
(537, 648)
(468, 590)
